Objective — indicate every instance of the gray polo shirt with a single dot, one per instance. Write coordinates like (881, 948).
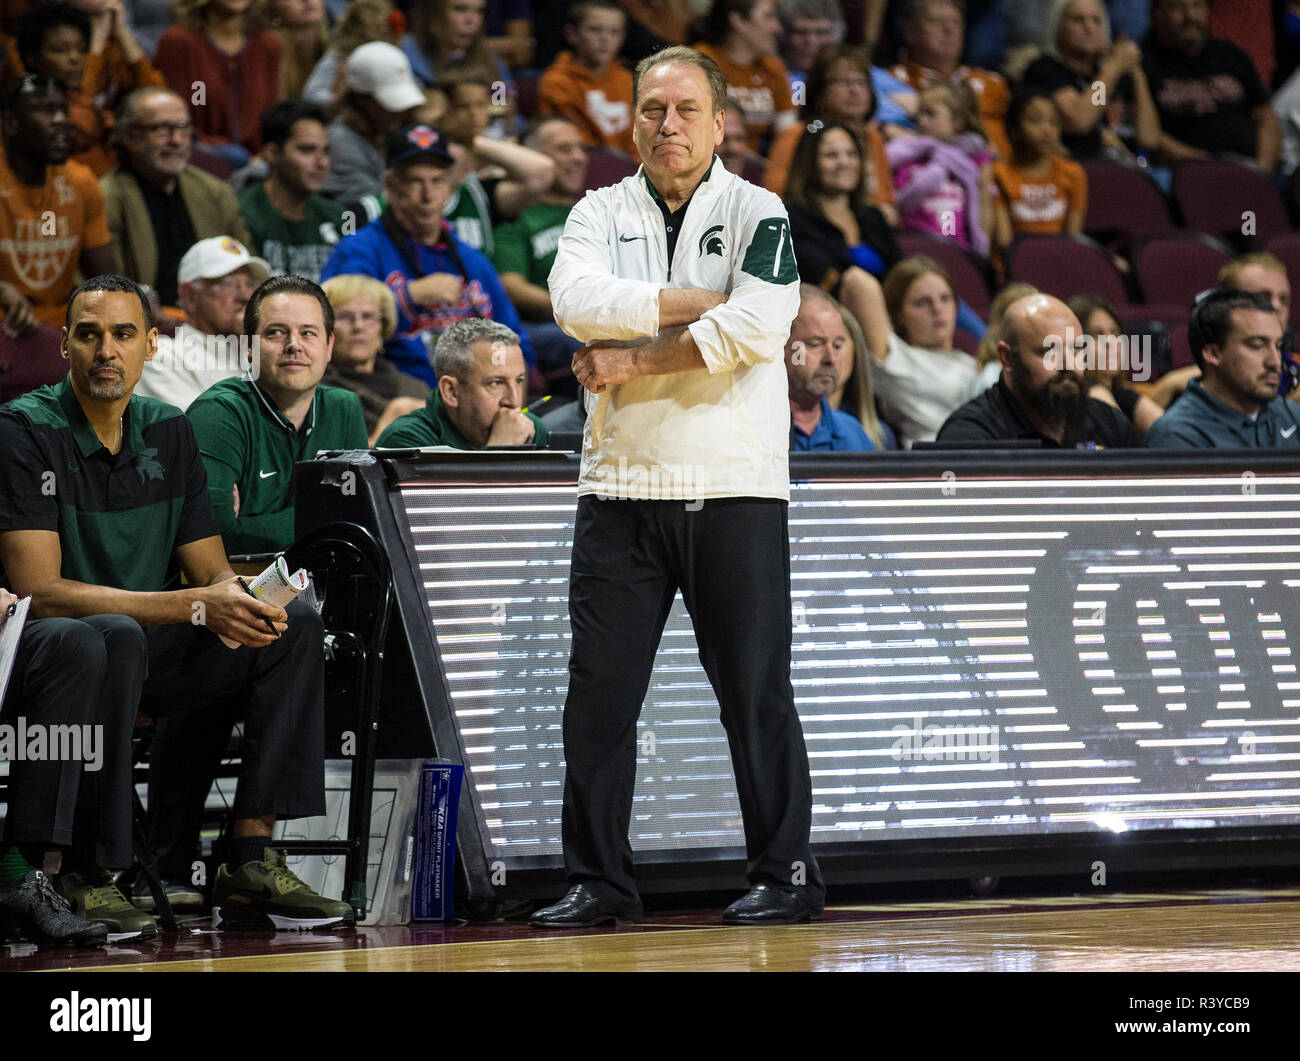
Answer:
(1198, 420)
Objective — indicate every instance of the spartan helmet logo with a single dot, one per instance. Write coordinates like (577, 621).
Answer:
(711, 243)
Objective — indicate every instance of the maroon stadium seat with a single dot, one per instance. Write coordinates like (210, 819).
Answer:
(1124, 202)
(210, 161)
(607, 166)
(1175, 268)
(1065, 266)
(1170, 314)
(1287, 248)
(30, 362)
(963, 340)
(970, 273)
(526, 96)
(1214, 196)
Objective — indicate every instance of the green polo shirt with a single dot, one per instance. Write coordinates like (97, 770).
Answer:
(431, 426)
(119, 516)
(246, 442)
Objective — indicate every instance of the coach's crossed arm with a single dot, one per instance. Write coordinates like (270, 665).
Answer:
(604, 364)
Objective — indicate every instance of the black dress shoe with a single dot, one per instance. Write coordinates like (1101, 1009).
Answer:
(581, 908)
(766, 904)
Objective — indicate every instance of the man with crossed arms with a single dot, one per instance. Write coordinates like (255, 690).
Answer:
(682, 282)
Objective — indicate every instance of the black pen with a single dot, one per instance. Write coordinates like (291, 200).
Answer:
(244, 585)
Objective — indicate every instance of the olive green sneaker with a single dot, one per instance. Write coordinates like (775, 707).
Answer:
(269, 893)
(94, 895)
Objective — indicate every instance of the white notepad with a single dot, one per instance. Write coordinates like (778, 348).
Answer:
(11, 629)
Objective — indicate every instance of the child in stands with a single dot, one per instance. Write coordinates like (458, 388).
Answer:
(1037, 191)
(943, 177)
(590, 84)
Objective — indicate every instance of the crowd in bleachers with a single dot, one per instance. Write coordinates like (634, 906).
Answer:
(1122, 149)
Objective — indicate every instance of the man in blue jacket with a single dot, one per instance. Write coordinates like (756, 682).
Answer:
(435, 278)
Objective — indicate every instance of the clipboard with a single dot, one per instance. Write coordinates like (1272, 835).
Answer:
(11, 630)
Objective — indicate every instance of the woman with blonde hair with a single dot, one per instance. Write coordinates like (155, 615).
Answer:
(854, 394)
(365, 317)
(300, 25)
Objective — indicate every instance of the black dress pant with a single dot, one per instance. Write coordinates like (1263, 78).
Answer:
(731, 560)
(197, 689)
(77, 672)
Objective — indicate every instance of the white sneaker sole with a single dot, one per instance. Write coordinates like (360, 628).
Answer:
(285, 924)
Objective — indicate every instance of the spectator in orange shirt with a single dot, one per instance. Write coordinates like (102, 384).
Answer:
(1037, 191)
(740, 36)
(590, 85)
(97, 58)
(52, 218)
(839, 93)
(933, 36)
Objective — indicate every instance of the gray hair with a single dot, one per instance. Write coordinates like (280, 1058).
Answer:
(680, 53)
(454, 353)
(811, 293)
(1052, 26)
(128, 111)
(825, 10)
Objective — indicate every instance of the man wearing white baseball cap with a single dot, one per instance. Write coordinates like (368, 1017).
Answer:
(381, 93)
(214, 280)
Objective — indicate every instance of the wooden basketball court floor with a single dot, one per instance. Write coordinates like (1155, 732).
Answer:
(1202, 930)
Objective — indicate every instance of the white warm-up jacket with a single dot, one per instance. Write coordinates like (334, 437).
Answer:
(721, 431)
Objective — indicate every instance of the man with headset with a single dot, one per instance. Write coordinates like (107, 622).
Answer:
(1237, 340)
(435, 278)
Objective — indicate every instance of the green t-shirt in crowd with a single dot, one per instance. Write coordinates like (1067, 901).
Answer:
(471, 214)
(119, 516)
(301, 247)
(431, 426)
(245, 441)
(527, 244)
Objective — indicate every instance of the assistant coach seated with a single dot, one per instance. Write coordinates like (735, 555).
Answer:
(252, 431)
(1040, 394)
(478, 401)
(1236, 338)
(104, 496)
